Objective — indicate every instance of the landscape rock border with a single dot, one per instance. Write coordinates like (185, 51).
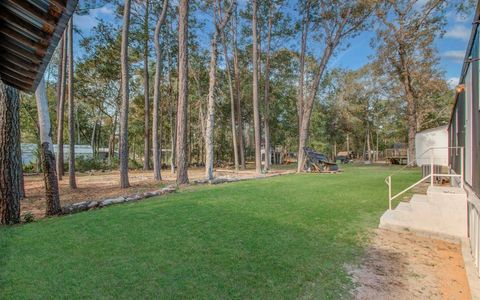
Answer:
(90, 205)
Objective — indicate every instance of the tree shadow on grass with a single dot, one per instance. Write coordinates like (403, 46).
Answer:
(182, 249)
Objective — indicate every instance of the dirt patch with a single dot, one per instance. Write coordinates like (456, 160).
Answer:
(406, 266)
(102, 185)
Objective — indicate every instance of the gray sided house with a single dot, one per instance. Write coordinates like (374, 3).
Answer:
(448, 211)
(464, 131)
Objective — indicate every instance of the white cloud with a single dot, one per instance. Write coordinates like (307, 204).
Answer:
(458, 32)
(455, 17)
(88, 21)
(455, 55)
(453, 82)
(105, 10)
(461, 18)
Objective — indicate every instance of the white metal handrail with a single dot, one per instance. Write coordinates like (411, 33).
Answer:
(432, 175)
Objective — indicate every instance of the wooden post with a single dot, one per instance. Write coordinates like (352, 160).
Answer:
(431, 167)
(390, 192)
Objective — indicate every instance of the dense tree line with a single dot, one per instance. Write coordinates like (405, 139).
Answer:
(177, 84)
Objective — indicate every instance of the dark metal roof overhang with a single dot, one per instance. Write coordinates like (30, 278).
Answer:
(29, 33)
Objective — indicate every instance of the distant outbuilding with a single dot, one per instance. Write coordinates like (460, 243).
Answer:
(432, 138)
(30, 152)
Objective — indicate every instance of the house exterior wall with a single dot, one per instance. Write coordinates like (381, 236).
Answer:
(463, 131)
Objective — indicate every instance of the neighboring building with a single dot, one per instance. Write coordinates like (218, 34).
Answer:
(104, 153)
(278, 155)
(30, 152)
(398, 155)
(432, 138)
(344, 156)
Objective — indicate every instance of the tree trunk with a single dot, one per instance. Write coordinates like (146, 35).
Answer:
(46, 152)
(211, 110)
(267, 93)
(301, 79)
(308, 106)
(412, 126)
(203, 123)
(156, 135)
(236, 71)
(232, 103)
(112, 142)
(256, 114)
(79, 141)
(173, 131)
(210, 121)
(146, 89)
(10, 157)
(94, 137)
(404, 74)
(182, 104)
(173, 142)
(369, 148)
(20, 168)
(71, 110)
(348, 144)
(302, 136)
(61, 104)
(99, 136)
(123, 146)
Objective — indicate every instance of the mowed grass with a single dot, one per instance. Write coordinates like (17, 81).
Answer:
(285, 237)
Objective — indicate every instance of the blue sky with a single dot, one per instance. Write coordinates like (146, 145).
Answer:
(451, 47)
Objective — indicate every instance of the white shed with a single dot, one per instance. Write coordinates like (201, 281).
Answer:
(432, 138)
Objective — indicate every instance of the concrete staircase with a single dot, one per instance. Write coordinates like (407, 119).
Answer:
(441, 213)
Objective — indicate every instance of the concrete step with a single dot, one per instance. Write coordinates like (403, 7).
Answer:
(400, 221)
(446, 190)
(416, 219)
(388, 218)
(440, 213)
(403, 206)
(420, 206)
(418, 198)
(445, 193)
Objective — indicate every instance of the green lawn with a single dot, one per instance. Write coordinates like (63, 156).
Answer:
(284, 237)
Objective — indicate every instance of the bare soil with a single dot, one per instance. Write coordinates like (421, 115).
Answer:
(406, 266)
(98, 185)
